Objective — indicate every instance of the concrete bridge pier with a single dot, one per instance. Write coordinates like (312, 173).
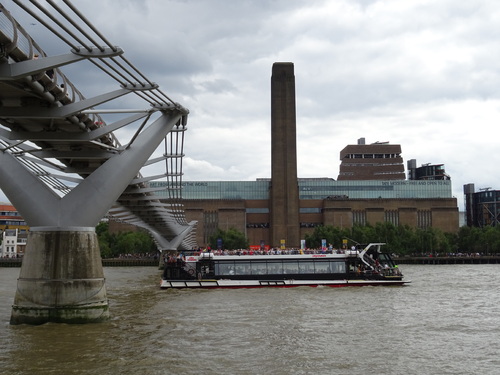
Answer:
(61, 278)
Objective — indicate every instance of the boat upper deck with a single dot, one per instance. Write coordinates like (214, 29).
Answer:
(271, 256)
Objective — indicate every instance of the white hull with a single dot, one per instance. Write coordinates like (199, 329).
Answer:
(227, 283)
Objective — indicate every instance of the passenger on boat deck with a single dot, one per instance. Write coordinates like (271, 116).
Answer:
(396, 270)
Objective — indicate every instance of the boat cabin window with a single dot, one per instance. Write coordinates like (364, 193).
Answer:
(338, 267)
(306, 267)
(242, 268)
(275, 268)
(322, 267)
(259, 268)
(224, 268)
(278, 267)
(290, 266)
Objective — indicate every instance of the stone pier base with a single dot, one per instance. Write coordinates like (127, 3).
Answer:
(61, 279)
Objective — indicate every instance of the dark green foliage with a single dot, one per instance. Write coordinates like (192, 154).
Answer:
(112, 245)
(232, 239)
(404, 240)
(481, 240)
(332, 235)
(401, 240)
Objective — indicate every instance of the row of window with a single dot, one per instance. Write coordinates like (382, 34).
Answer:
(392, 216)
(258, 225)
(424, 218)
(267, 225)
(312, 189)
(12, 222)
(278, 267)
(387, 172)
(9, 213)
(372, 156)
(370, 164)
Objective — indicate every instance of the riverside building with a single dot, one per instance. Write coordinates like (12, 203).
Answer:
(11, 219)
(376, 161)
(13, 232)
(482, 208)
(245, 206)
(279, 211)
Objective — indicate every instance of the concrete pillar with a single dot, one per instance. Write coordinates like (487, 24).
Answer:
(61, 279)
(284, 193)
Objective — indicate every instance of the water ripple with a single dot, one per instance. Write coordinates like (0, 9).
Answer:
(446, 322)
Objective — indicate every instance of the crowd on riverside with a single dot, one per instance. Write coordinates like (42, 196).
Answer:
(153, 256)
(450, 255)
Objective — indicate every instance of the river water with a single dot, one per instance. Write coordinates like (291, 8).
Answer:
(446, 322)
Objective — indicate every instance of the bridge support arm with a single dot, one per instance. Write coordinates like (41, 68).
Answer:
(25, 68)
(106, 184)
(69, 109)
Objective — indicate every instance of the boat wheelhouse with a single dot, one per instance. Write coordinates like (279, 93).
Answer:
(355, 267)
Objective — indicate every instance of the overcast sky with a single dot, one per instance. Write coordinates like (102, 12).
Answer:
(423, 74)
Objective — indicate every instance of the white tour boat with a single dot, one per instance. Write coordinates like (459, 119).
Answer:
(355, 267)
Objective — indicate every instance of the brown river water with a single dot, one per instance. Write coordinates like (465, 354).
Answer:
(447, 321)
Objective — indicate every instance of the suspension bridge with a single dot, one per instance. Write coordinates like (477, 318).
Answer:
(67, 161)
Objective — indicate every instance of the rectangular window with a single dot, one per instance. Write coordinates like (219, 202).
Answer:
(290, 267)
(242, 268)
(310, 210)
(424, 219)
(257, 210)
(224, 268)
(259, 268)
(306, 267)
(359, 217)
(275, 268)
(392, 216)
(337, 267)
(322, 267)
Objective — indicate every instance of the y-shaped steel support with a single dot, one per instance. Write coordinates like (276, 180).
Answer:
(61, 278)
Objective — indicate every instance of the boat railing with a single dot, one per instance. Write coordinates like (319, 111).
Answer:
(369, 262)
(384, 272)
(394, 271)
(212, 253)
(205, 255)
